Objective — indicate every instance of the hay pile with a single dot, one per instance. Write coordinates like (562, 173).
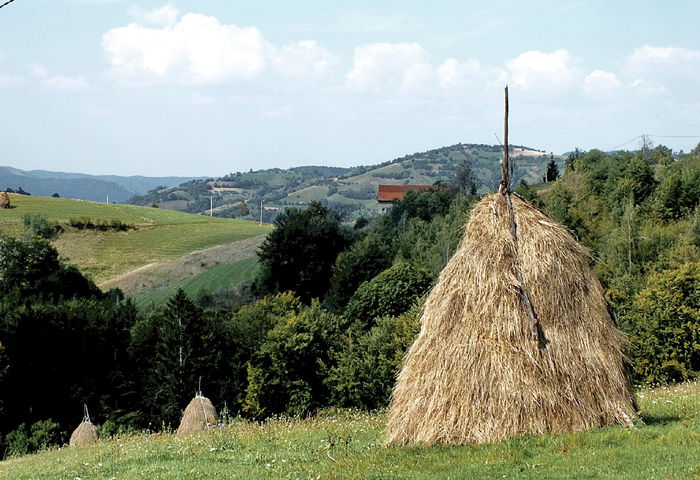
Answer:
(199, 415)
(481, 370)
(4, 200)
(85, 434)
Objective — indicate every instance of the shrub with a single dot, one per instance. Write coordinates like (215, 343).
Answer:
(390, 293)
(665, 322)
(41, 227)
(367, 366)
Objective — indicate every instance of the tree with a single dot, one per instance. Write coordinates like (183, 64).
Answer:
(243, 209)
(287, 373)
(390, 293)
(465, 180)
(665, 337)
(363, 261)
(552, 170)
(298, 255)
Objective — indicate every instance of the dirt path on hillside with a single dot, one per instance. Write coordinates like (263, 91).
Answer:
(156, 275)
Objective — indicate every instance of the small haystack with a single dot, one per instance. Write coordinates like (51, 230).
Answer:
(481, 369)
(516, 336)
(85, 434)
(4, 200)
(199, 415)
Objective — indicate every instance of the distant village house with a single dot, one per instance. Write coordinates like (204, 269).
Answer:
(386, 194)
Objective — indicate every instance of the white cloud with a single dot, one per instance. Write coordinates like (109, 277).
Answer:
(381, 67)
(539, 71)
(165, 15)
(455, 75)
(305, 59)
(68, 84)
(196, 50)
(648, 58)
(600, 81)
(646, 87)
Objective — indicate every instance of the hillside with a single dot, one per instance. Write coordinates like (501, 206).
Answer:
(82, 186)
(352, 190)
(155, 239)
(348, 445)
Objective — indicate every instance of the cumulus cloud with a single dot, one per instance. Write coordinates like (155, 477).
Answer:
(648, 57)
(399, 67)
(165, 15)
(454, 74)
(68, 84)
(600, 81)
(540, 71)
(196, 50)
(305, 59)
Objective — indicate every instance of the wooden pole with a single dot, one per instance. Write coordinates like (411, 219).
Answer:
(505, 166)
(535, 328)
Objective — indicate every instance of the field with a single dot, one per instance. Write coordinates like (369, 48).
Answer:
(348, 445)
(159, 235)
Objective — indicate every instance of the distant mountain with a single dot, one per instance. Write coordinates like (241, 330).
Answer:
(82, 186)
(350, 190)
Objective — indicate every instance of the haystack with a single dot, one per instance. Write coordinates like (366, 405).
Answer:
(4, 200)
(85, 434)
(199, 415)
(516, 338)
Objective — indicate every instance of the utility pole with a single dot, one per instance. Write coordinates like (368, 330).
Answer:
(108, 199)
(211, 206)
(261, 208)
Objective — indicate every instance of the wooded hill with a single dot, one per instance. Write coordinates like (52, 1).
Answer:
(352, 191)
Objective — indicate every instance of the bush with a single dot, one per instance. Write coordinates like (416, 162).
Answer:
(665, 322)
(367, 366)
(40, 226)
(42, 434)
(390, 293)
(286, 375)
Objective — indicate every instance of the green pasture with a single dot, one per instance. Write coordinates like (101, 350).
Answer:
(159, 235)
(216, 279)
(348, 445)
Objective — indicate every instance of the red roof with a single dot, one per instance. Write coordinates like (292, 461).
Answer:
(389, 193)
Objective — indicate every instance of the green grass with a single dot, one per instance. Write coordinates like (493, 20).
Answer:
(160, 234)
(348, 445)
(216, 279)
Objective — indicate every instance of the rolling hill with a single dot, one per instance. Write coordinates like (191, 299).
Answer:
(154, 242)
(350, 190)
(82, 186)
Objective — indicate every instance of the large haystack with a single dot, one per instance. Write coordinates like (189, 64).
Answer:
(4, 200)
(199, 415)
(483, 368)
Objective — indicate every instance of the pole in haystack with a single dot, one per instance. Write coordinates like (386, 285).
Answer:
(85, 433)
(516, 336)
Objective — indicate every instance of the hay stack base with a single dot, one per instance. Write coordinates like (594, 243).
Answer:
(475, 374)
(85, 434)
(199, 415)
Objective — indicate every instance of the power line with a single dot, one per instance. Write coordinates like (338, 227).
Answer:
(674, 136)
(6, 3)
(650, 135)
(628, 141)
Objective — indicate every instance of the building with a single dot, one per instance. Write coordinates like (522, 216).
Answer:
(386, 194)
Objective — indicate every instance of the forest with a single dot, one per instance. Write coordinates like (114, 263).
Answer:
(334, 307)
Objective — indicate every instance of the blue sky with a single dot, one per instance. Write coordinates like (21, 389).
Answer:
(212, 87)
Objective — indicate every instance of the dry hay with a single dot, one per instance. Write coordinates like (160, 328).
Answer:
(199, 415)
(4, 200)
(477, 373)
(85, 434)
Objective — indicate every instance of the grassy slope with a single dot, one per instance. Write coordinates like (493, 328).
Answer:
(160, 234)
(220, 277)
(348, 446)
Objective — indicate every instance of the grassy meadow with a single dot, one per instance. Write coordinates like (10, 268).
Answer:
(220, 277)
(348, 445)
(160, 235)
